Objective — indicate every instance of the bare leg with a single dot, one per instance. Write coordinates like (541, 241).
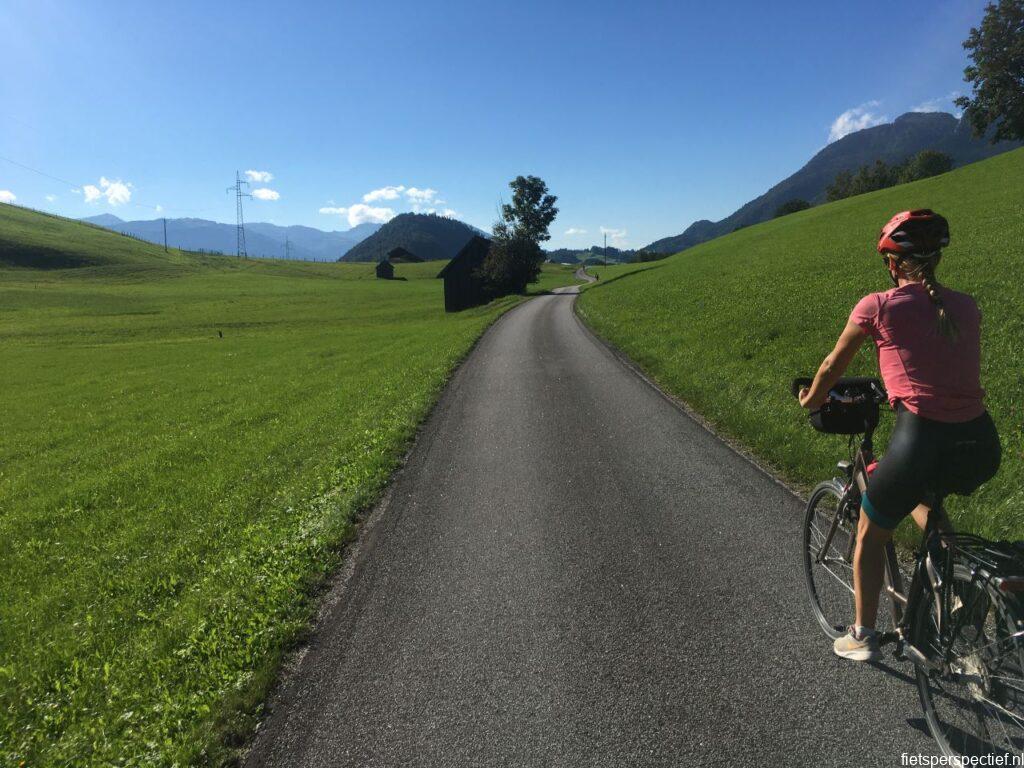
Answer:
(920, 514)
(868, 568)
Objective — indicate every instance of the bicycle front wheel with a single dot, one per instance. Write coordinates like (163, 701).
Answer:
(973, 692)
(828, 541)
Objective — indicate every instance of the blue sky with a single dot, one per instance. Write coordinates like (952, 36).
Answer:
(641, 116)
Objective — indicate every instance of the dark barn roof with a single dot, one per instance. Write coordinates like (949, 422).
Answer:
(462, 288)
(399, 255)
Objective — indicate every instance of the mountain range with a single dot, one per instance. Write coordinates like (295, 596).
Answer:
(427, 235)
(261, 239)
(892, 142)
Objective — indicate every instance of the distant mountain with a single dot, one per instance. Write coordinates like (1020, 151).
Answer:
(261, 239)
(430, 237)
(892, 143)
(108, 220)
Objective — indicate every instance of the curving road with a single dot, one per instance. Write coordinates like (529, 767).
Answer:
(571, 571)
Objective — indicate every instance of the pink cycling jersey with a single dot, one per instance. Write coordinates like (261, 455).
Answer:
(933, 376)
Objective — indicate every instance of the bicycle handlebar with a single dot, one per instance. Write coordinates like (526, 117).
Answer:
(875, 391)
(798, 384)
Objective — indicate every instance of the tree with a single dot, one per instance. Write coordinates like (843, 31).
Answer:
(924, 164)
(840, 187)
(531, 212)
(997, 74)
(792, 206)
(510, 265)
(515, 257)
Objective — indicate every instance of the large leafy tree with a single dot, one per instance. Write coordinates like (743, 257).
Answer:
(997, 73)
(515, 258)
(530, 213)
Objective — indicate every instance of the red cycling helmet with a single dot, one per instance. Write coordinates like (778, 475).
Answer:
(914, 232)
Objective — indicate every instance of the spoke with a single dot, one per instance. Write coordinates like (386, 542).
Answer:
(1007, 682)
(991, 705)
(980, 648)
(838, 578)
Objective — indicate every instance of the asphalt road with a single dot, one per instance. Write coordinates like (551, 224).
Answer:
(571, 571)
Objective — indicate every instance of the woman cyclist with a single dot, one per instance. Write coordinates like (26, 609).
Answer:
(928, 342)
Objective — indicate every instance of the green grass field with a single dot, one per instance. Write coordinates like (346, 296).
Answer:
(725, 326)
(185, 443)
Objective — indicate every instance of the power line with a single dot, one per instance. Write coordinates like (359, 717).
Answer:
(36, 170)
(239, 190)
(74, 186)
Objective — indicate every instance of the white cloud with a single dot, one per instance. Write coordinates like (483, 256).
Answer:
(116, 191)
(856, 119)
(420, 200)
(361, 213)
(6, 196)
(575, 231)
(159, 208)
(266, 194)
(384, 193)
(617, 236)
(941, 104)
(51, 198)
(427, 195)
(263, 177)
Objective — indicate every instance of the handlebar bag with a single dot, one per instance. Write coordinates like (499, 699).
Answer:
(835, 418)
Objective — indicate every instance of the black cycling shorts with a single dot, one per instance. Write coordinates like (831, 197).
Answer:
(929, 459)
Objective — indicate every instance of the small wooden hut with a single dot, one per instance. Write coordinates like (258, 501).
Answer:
(385, 270)
(462, 288)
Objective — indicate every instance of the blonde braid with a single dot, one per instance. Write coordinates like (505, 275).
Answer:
(923, 267)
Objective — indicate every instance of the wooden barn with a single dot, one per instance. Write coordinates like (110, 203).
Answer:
(385, 270)
(400, 255)
(463, 289)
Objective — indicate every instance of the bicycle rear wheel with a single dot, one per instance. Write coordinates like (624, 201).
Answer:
(830, 572)
(974, 699)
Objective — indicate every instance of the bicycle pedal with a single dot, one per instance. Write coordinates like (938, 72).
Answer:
(888, 637)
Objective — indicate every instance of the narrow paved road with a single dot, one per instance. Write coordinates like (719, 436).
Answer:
(570, 571)
(582, 274)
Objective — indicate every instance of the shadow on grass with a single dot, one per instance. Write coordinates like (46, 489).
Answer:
(610, 280)
(40, 257)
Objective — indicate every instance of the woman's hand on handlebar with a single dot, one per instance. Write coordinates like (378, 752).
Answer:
(807, 402)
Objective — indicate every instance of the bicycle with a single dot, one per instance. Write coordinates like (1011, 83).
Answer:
(961, 621)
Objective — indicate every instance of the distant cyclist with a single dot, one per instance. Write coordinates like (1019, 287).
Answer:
(928, 342)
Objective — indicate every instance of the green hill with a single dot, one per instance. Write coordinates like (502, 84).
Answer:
(42, 241)
(429, 236)
(727, 324)
(185, 443)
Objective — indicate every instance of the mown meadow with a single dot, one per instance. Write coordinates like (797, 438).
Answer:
(726, 326)
(186, 443)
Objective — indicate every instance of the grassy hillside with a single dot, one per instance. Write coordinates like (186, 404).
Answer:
(726, 325)
(184, 445)
(427, 235)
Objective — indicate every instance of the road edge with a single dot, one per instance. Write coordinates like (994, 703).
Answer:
(353, 553)
(688, 410)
